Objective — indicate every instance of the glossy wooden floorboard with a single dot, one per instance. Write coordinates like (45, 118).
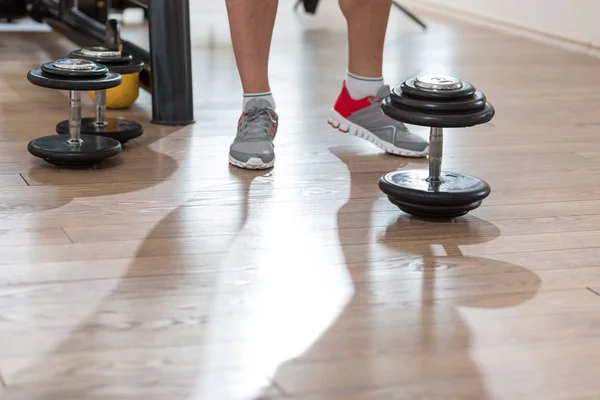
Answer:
(167, 274)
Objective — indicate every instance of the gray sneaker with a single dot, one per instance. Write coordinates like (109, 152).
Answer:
(364, 118)
(253, 146)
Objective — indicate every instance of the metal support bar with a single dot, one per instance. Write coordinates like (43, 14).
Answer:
(65, 6)
(140, 3)
(102, 10)
(409, 14)
(171, 60)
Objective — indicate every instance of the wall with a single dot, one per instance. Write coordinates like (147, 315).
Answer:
(573, 20)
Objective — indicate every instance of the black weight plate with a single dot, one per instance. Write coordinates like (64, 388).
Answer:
(56, 150)
(120, 65)
(429, 211)
(120, 129)
(130, 68)
(463, 104)
(438, 120)
(40, 78)
(409, 87)
(124, 58)
(98, 71)
(412, 187)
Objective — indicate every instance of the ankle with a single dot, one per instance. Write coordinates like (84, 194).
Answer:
(255, 97)
(360, 87)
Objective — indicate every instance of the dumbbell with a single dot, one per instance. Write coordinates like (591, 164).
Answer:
(76, 150)
(437, 102)
(120, 129)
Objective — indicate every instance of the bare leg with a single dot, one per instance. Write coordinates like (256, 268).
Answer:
(354, 111)
(251, 24)
(367, 24)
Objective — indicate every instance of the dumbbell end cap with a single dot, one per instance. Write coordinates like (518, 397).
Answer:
(438, 82)
(74, 64)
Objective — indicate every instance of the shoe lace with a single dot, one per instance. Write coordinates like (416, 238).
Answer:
(379, 99)
(256, 124)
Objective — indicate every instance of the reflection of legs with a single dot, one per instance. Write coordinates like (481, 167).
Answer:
(251, 24)
(357, 110)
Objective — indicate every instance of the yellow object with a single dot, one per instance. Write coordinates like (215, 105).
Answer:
(124, 95)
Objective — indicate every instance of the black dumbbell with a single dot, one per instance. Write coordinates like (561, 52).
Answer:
(437, 102)
(120, 129)
(74, 75)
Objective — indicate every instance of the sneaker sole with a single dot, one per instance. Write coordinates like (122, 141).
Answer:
(252, 163)
(343, 125)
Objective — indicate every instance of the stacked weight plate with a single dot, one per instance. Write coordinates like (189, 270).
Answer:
(117, 62)
(74, 149)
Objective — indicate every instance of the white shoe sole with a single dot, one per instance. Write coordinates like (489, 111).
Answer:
(252, 163)
(343, 125)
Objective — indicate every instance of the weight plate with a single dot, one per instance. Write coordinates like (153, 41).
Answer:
(92, 70)
(467, 89)
(437, 119)
(100, 52)
(412, 186)
(438, 82)
(429, 211)
(131, 67)
(119, 129)
(43, 79)
(121, 59)
(472, 103)
(57, 150)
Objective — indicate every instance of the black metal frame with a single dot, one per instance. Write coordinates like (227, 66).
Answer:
(168, 71)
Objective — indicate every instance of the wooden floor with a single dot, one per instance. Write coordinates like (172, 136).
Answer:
(168, 275)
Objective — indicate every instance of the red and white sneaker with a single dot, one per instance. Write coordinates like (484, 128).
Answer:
(364, 118)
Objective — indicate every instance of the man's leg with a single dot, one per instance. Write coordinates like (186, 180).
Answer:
(357, 110)
(251, 24)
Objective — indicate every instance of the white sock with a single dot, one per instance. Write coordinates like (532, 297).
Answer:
(360, 87)
(268, 96)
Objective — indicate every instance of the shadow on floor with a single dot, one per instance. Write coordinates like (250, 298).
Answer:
(145, 337)
(138, 166)
(177, 323)
(401, 335)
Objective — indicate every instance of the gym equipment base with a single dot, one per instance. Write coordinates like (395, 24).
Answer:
(116, 128)
(60, 150)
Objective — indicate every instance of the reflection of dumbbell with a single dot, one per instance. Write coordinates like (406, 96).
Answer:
(437, 102)
(74, 75)
(117, 128)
